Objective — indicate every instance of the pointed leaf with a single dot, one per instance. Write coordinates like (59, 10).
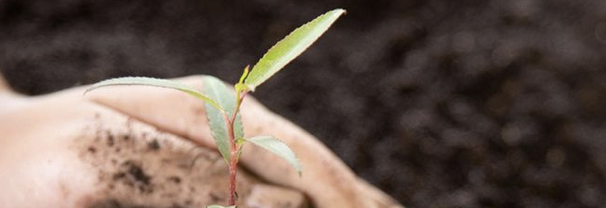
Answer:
(279, 148)
(226, 99)
(289, 48)
(146, 81)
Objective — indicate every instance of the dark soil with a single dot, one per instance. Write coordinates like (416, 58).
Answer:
(128, 169)
(480, 103)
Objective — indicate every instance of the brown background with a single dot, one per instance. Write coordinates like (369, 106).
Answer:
(440, 103)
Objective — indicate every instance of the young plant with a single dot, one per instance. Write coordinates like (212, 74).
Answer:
(223, 104)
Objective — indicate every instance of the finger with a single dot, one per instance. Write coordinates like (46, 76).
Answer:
(166, 109)
(326, 179)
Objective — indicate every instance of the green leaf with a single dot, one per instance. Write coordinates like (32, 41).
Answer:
(226, 99)
(219, 206)
(279, 148)
(146, 81)
(244, 75)
(289, 48)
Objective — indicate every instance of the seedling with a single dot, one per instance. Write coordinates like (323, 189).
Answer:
(223, 105)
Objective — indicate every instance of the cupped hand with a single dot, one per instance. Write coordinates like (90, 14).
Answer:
(151, 147)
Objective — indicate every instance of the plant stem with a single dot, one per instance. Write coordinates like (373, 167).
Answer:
(233, 169)
(233, 163)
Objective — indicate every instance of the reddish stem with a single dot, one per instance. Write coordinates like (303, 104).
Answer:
(233, 169)
(233, 161)
(233, 155)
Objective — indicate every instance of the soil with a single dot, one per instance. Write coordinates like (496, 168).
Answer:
(138, 166)
(141, 167)
(472, 103)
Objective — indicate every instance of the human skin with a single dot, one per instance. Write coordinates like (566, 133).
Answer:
(55, 151)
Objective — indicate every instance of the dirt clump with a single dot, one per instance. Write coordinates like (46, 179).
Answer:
(139, 166)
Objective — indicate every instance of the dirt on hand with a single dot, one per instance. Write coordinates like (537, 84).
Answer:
(138, 166)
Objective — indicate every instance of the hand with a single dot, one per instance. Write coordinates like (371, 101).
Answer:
(143, 146)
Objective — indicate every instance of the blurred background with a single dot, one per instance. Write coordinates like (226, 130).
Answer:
(470, 103)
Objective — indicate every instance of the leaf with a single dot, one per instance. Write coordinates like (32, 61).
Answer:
(146, 81)
(289, 48)
(226, 99)
(278, 148)
(244, 75)
(219, 206)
